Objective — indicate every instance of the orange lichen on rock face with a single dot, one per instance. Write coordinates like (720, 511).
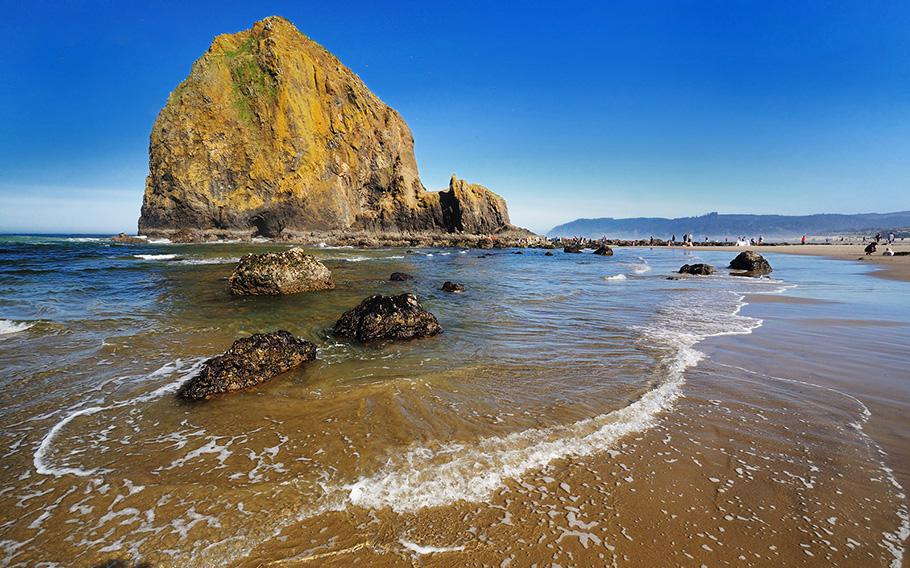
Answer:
(271, 132)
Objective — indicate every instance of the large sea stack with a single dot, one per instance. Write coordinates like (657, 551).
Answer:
(271, 135)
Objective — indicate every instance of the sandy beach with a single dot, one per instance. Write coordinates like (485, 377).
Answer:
(891, 267)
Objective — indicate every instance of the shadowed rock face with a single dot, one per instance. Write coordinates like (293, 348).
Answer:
(387, 317)
(603, 250)
(751, 262)
(270, 133)
(276, 273)
(250, 361)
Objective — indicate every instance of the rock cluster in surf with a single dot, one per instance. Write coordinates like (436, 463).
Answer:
(751, 262)
(697, 269)
(272, 274)
(387, 317)
(249, 362)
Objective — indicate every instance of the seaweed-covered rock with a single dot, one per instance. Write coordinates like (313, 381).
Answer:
(752, 262)
(698, 269)
(603, 250)
(400, 277)
(387, 317)
(574, 249)
(249, 362)
(278, 273)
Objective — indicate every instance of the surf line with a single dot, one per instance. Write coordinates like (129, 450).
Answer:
(40, 458)
(894, 541)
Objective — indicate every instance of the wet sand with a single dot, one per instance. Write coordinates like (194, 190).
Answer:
(891, 267)
(565, 417)
(751, 468)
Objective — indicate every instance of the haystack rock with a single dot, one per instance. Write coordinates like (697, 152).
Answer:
(271, 135)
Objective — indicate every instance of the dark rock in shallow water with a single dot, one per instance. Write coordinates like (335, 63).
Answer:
(548, 253)
(603, 250)
(452, 287)
(699, 269)
(387, 317)
(400, 277)
(572, 249)
(272, 274)
(249, 362)
(124, 238)
(751, 262)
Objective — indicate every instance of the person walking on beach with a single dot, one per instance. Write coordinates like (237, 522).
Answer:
(673, 239)
(891, 238)
(870, 248)
(803, 240)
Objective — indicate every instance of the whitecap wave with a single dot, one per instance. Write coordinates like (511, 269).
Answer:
(8, 326)
(155, 256)
(220, 260)
(615, 277)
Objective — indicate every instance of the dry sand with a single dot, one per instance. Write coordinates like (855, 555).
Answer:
(891, 267)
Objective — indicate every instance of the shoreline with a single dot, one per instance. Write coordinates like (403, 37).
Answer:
(889, 267)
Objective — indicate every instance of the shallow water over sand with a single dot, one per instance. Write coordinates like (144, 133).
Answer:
(565, 416)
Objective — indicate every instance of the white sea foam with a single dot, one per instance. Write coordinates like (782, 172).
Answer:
(428, 477)
(7, 326)
(615, 277)
(220, 260)
(160, 241)
(155, 256)
(41, 459)
(86, 239)
(356, 258)
(641, 267)
(420, 549)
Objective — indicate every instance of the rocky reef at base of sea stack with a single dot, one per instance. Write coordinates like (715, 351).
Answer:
(271, 135)
(249, 362)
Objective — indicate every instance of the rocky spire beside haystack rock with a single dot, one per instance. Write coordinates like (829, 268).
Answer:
(270, 134)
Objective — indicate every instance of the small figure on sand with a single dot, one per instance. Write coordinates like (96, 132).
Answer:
(888, 252)
(803, 240)
(870, 248)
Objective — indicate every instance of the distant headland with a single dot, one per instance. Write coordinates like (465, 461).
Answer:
(716, 226)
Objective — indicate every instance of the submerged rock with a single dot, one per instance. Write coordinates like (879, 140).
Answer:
(452, 287)
(752, 262)
(387, 317)
(698, 269)
(574, 249)
(548, 253)
(249, 362)
(603, 250)
(400, 277)
(275, 273)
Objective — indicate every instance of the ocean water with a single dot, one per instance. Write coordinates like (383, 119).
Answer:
(540, 427)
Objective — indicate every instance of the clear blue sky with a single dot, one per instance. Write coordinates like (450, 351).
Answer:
(566, 109)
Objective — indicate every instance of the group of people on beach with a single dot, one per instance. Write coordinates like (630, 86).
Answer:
(873, 246)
